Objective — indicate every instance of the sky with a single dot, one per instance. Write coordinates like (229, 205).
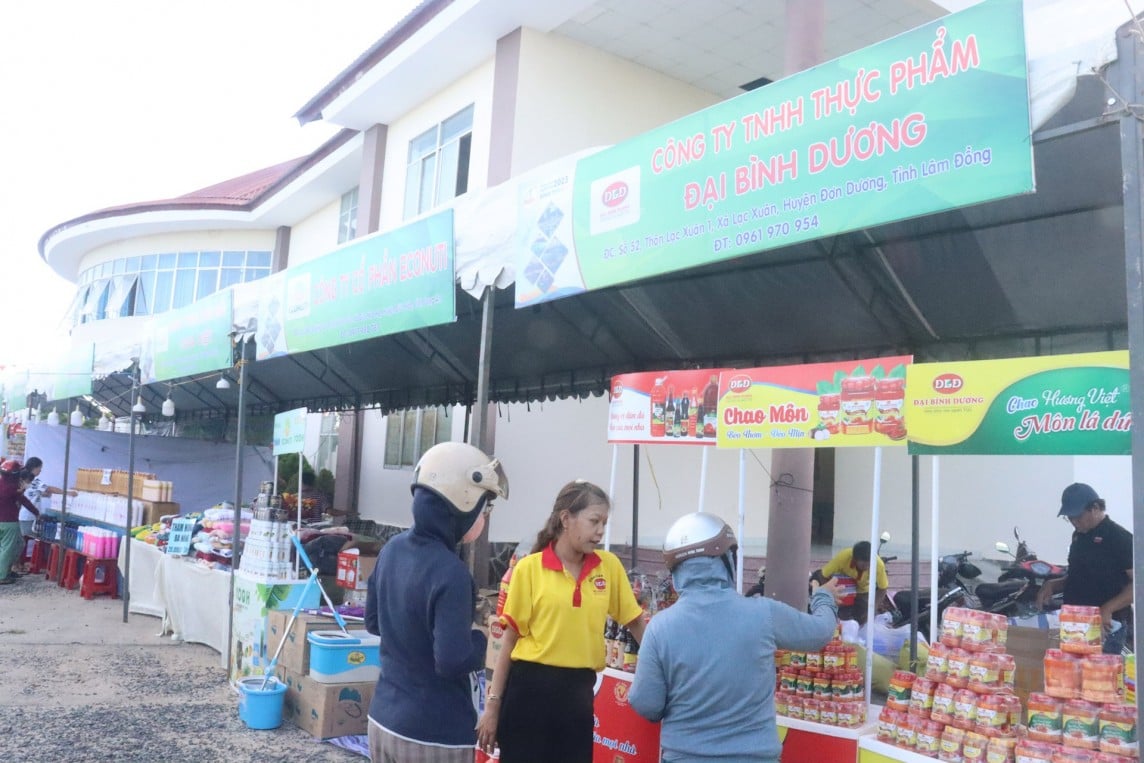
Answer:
(107, 103)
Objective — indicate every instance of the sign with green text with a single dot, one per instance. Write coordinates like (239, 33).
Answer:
(190, 340)
(73, 379)
(1051, 405)
(386, 283)
(933, 119)
(290, 431)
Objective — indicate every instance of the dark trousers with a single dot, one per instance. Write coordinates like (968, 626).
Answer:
(546, 715)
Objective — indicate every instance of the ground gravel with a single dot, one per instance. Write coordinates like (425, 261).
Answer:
(79, 684)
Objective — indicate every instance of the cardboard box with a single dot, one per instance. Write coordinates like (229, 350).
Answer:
(354, 568)
(1028, 646)
(295, 655)
(326, 710)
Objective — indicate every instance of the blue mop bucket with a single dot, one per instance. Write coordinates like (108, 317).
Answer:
(261, 708)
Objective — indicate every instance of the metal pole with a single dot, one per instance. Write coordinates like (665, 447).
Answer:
(915, 546)
(872, 574)
(635, 503)
(236, 533)
(130, 490)
(703, 480)
(742, 517)
(1132, 165)
(611, 495)
(935, 517)
(64, 502)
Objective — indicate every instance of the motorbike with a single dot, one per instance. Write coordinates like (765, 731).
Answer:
(1031, 573)
(956, 577)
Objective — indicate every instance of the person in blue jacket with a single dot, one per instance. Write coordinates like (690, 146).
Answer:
(706, 666)
(421, 602)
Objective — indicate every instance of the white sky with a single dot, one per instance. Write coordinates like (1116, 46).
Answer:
(106, 103)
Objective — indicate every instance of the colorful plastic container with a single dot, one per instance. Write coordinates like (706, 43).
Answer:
(336, 657)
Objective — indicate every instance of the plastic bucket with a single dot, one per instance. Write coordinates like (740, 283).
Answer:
(261, 708)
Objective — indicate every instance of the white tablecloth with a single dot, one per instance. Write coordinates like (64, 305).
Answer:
(192, 599)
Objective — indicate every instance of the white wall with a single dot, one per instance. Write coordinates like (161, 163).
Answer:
(571, 97)
(316, 235)
(475, 88)
(980, 499)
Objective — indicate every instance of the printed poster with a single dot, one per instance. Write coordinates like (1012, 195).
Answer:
(1050, 405)
(665, 407)
(831, 405)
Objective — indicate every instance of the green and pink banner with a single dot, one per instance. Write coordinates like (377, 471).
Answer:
(382, 284)
(933, 119)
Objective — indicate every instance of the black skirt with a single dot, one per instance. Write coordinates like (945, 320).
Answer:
(546, 714)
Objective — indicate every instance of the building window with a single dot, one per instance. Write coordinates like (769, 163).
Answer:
(347, 217)
(438, 165)
(408, 434)
(155, 283)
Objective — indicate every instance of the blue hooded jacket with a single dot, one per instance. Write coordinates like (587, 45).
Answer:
(421, 603)
(707, 665)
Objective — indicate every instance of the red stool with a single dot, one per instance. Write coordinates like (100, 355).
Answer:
(100, 576)
(39, 561)
(73, 569)
(54, 556)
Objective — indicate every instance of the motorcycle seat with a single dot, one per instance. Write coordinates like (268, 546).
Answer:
(994, 591)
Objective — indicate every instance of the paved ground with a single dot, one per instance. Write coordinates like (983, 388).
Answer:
(78, 684)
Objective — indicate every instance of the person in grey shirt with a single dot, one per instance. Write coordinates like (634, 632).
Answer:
(706, 668)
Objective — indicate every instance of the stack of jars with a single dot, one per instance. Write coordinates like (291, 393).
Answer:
(1082, 712)
(962, 708)
(824, 687)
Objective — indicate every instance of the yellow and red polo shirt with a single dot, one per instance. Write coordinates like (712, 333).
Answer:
(560, 620)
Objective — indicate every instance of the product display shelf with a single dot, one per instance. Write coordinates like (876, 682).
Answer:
(79, 519)
(870, 750)
(813, 742)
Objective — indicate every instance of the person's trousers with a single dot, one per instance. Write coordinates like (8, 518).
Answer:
(10, 543)
(546, 714)
(386, 747)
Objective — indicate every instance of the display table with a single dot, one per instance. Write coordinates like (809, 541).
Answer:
(621, 734)
(145, 597)
(810, 742)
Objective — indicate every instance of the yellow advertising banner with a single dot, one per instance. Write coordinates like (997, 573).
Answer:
(1049, 405)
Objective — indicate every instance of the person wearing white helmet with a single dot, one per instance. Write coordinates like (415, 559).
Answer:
(421, 602)
(12, 481)
(706, 668)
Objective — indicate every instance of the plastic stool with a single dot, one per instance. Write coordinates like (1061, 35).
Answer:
(73, 569)
(93, 586)
(39, 561)
(54, 556)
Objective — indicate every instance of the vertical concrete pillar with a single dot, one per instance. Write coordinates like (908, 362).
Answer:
(791, 495)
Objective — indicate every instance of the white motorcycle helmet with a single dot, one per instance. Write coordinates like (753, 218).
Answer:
(461, 474)
(699, 534)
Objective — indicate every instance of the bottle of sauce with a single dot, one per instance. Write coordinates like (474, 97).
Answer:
(693, 414)
(658, 401)
(669, 424)
(711, 407)
(681, 414)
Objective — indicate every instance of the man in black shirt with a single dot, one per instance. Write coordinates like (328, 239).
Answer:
(1100, 564)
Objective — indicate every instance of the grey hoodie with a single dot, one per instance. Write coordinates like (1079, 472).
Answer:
(707, 670)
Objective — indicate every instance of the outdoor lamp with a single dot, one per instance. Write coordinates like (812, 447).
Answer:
(222, 383)
(54, 418)
(138, 407)
(76, 418)
(168, 406)
(104, 424)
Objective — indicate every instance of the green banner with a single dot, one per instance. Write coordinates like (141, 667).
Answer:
(73, 379)
(191, 340)
(1045, 405)
(290, 431)
(383, 284)
(930, 120)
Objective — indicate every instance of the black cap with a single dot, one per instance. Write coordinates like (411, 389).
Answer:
(1076, 498)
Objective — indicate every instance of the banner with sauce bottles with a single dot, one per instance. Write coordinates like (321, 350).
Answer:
(818, 405)
(665, 407)
(1050, 405)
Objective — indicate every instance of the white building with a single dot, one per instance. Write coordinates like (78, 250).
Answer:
(463, 96)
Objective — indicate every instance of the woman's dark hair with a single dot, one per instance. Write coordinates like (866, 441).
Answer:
(33, 462)
(573, 498)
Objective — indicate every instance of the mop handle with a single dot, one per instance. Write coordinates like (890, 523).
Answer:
(289, 624)
(314, 575)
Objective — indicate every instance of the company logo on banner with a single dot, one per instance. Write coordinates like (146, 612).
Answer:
(829, 405)
(930, 120)
(665, 407)
(1052, 405)
(290, 431)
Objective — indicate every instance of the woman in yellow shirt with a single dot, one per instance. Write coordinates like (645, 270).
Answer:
(539, 703)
